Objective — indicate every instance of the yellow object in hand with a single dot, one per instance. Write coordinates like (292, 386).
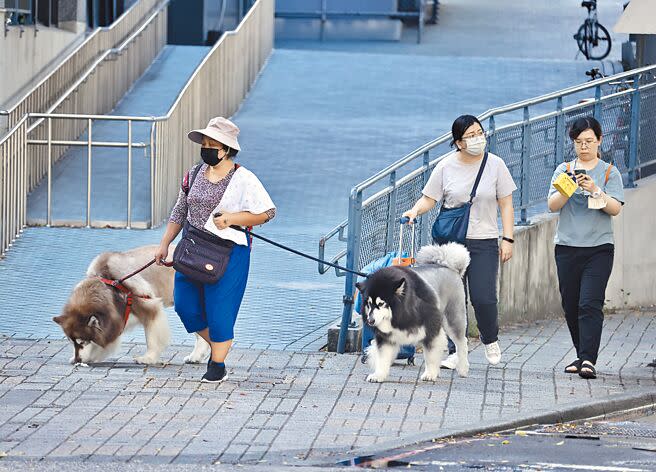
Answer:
(565, 185)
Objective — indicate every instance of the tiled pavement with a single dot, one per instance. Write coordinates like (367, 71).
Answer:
(289, 408)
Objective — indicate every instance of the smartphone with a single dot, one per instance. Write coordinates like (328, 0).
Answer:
(580, 171)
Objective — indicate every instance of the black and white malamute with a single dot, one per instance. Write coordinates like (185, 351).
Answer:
(418, 305)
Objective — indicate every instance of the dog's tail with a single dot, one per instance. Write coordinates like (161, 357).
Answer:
(453, 256)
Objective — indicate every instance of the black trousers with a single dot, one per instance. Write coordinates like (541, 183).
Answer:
(583, 274)
(481, 283)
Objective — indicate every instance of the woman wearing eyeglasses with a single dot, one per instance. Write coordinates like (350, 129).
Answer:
(451, 183)
(584, 241)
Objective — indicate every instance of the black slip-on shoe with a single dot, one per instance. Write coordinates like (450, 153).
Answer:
(216, 373)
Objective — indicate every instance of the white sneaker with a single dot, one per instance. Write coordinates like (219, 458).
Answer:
(493, 353)
(450, 362)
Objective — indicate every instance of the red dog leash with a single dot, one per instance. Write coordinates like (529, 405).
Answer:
(118, 285)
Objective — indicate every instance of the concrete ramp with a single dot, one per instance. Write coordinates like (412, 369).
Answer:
(151, 95)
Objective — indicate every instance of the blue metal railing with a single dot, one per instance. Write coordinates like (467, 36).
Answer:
(530, 136)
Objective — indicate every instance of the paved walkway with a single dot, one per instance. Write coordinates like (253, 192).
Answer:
(500, 29)
(290, 408)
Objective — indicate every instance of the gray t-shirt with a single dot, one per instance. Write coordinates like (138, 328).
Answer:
(453, 180)
(579, 226)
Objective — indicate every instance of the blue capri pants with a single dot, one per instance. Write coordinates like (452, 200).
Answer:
(214, 306)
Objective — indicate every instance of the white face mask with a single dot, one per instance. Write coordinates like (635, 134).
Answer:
(475, 145)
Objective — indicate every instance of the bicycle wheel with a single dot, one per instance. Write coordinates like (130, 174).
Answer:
(583, 36)
(600, 44)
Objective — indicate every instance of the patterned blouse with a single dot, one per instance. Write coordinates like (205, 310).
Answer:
(202, 199)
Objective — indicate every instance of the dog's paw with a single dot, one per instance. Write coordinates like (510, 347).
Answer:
(463, 370)
(195, 359)
(430, 377)
(374, 378)
(146, 359)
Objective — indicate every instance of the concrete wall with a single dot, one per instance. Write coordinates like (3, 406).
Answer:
(528, 285)
(23, 58)
(633, 282)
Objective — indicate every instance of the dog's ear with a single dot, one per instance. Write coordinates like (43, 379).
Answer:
(400, 287)
(360, 286)
(58, 319)
(94, 322)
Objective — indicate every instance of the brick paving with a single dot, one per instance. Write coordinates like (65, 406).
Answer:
(281, 407)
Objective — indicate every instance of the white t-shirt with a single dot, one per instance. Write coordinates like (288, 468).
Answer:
(452, 181)
(245, 192)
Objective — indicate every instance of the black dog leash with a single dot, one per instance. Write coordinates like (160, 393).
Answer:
(298, 253)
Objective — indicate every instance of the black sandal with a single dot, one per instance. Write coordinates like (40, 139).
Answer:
(576, 367)
(588, 370)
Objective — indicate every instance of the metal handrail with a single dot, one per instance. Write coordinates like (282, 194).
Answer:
(228, 71)
(13, 186)
(110, 144)
(127, 14)
(92, 69)
(35, 156)
(596, 84)
(246, 53)
(115, 71)
(85, 116)
(550, 131)
(176, 102)
(207, 57)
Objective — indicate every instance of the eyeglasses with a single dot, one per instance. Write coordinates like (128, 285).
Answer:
(474, 135)
(588, 142)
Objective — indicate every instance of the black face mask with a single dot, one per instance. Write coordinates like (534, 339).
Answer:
(210, 156)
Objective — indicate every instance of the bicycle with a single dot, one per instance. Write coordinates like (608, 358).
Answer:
(615, 145)
(592, 37)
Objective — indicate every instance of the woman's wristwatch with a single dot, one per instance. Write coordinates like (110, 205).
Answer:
(510, 240)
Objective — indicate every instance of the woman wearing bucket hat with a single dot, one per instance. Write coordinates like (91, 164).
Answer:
(214, 196)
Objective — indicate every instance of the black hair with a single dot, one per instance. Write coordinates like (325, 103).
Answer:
(460, 125)
(231, 151)
(584, 124)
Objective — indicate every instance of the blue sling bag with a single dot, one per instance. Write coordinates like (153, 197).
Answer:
(451, 223)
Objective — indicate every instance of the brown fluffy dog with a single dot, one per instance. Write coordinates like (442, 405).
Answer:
(93, 316)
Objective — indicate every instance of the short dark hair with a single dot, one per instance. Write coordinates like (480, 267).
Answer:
(583, 124)
(460, 125)
(231, 151)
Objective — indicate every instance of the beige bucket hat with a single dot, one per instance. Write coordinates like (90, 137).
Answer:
(220, 129)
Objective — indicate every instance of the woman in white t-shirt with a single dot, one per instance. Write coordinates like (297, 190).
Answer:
(451, 183)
